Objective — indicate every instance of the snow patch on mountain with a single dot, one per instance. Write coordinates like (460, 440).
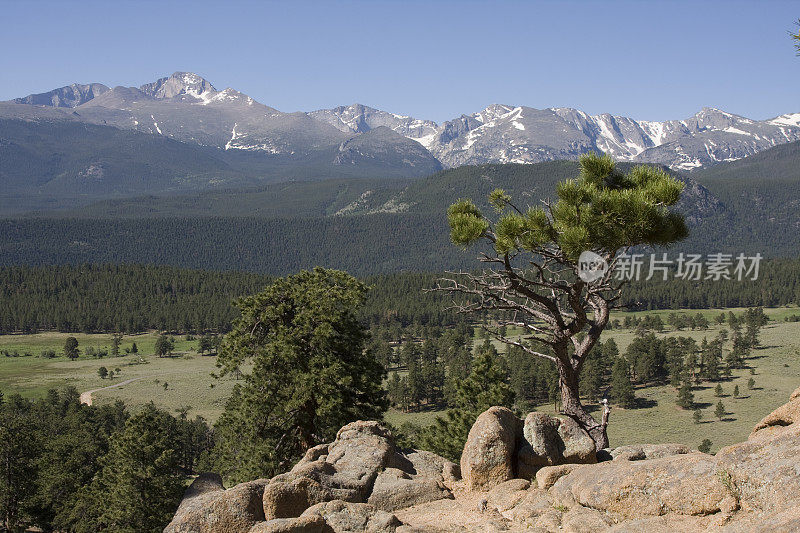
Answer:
(791, 119)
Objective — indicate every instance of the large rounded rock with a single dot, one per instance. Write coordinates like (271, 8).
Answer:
(301, 524)
(640, 452)
(550, 441)
(208, 508)
(785, 415)
(344, 517)
(681, 484)
(488, 457)
(395, 489)
(345, 470)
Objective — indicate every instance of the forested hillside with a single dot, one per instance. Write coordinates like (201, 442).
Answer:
(371, 226)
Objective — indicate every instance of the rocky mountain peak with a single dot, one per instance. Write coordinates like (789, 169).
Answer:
(180, 83)
(69, 96)
(493, 112)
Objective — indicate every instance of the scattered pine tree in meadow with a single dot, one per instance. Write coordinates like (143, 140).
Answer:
(751, 383)
(685, 396)
(705, 446)
(487, 385)
(736, 391)
(718, 392)
(71, 348)
(719, 410)
(621, 387)
(697, 416)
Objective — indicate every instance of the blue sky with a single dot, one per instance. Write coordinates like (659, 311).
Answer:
(433, 59)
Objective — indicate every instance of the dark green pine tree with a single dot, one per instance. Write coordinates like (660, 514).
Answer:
(71, 348)
(486, 385)
(592, 379)
(310, 374)
(719, 410)
(141, 482)
(18, 449)
(621, 387)
(685, 396)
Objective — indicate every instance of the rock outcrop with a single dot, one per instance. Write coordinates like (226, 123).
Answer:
(363, 483)
(208, 508)
(501, 447)
(350, 485)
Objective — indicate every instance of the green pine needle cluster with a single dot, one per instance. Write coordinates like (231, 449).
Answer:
(602, 210)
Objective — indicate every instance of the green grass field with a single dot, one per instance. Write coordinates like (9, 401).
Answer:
(187, 374)
(190, 383)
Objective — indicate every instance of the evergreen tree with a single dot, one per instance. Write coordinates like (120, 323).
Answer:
(602, 210)
(621, 387)
(704, 446)
(18, 445)
(310, 374)
(71, 348)
(736, 391)
(164, 346)
(204, 344)
(697, 416)
(719, 410)
(116, 340)
(751, 383)
(141, 483)
(134, 348)
(487, 385)
(102, 372)
(718, 392)
(685, 396)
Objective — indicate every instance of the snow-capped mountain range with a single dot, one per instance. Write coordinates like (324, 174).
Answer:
(187, 108)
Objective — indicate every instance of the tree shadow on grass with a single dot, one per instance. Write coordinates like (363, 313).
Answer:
(702, 405)
(644, 403)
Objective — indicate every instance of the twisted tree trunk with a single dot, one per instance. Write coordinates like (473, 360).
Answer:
(571, 402)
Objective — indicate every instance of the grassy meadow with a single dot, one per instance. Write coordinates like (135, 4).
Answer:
(187, 374)
(190, 383)
(659, 419)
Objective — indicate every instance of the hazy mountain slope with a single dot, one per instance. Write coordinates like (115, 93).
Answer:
(63, 157)
(380, 147)
(388, 229)
(51, 164)
(299, 199)
(761, 194)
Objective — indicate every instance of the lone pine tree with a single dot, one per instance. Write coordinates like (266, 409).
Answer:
(533, 281)
(309, 376)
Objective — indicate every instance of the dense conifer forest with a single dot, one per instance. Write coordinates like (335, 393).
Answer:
(135, 298)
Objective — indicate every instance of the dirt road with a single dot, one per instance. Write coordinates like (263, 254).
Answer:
(86, 397)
